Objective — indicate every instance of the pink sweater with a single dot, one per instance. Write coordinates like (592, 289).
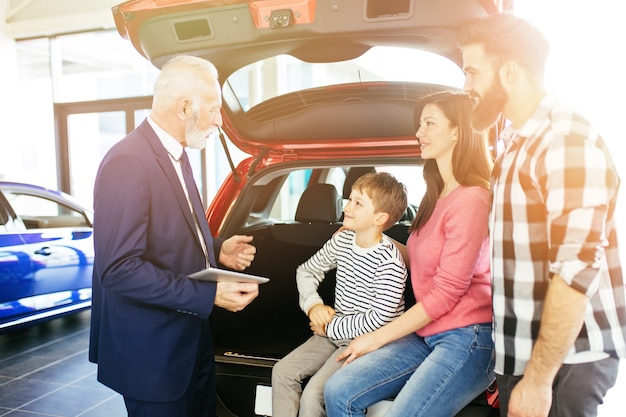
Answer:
(449, 262)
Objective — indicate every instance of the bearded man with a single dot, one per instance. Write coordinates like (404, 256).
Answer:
(558, 289)
(150, 334)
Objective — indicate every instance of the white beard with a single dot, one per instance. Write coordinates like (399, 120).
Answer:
(194, 137)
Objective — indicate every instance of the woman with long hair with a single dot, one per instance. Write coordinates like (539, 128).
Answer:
(437, 356)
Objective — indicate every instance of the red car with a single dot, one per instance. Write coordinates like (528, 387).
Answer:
(315, 93)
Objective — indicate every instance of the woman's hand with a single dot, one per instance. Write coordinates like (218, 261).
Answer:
(341, 229)
(360, 346)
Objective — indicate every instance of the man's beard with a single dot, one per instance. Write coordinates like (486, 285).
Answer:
(488, 108)
(194, 137)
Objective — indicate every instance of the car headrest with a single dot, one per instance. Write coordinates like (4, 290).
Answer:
(353, 174)
(319, 203)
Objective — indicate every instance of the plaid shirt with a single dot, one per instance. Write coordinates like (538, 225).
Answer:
(554, 190)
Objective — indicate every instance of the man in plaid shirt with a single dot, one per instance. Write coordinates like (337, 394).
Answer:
(558, 290)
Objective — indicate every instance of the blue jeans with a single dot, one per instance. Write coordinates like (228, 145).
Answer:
(432, 376)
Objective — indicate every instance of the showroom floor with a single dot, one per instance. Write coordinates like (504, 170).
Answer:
(44, 372)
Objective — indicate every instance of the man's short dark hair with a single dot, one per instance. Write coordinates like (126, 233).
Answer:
(508, 37)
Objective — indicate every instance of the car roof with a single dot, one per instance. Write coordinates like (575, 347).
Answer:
(236, 33)
(21, 186)
(40, 191)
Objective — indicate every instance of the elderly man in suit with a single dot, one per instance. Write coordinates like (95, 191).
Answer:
(150, 334)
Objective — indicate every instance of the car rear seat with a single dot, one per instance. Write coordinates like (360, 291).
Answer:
(273, 324)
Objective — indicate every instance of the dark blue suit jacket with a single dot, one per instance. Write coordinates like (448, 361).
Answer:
(147, 316)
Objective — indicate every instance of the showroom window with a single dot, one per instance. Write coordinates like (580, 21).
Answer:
(87, 67)
(89, 76)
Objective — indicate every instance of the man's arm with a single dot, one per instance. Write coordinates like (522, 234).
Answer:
(561, 322)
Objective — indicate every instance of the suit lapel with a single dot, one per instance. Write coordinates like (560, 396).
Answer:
(164, 161)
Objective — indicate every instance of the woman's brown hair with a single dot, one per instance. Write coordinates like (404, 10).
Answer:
(471, 159)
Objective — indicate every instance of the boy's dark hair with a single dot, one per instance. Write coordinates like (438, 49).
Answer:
(388, 195)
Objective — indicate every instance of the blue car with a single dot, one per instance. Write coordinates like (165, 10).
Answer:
(46, 255)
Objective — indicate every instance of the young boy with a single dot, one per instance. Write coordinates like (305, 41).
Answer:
(369, 293)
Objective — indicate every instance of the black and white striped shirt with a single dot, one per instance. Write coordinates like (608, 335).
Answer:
(369, 289)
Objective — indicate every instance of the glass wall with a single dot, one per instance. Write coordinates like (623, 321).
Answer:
(90, 136)
(97, 69)
(32, 144)
(73, 68)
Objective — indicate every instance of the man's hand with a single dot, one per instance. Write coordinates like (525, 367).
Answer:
(235, 296)
(529, 399)
(361, 345)
(237, 253)
(561, 321)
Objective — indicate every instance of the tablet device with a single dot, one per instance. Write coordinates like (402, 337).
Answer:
(219, 275)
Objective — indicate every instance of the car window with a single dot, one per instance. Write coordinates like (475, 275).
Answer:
(285, 205)
(284, 208)
(42, 213)
(336, 176)
(412, 178)
(252, 84)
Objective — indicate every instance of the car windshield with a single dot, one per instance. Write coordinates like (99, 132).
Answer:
(285, 74)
